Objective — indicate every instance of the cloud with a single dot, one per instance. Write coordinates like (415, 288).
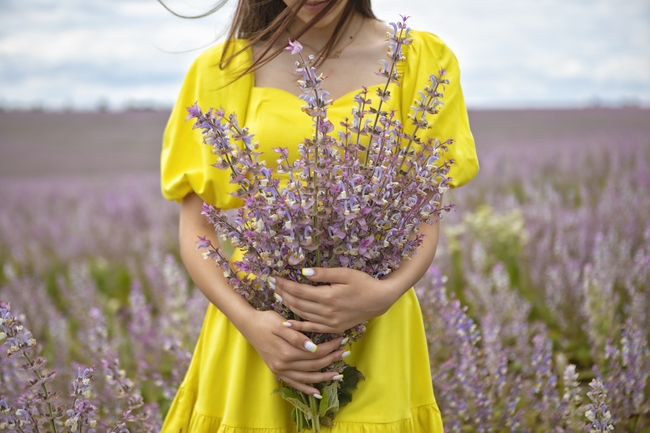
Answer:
(512, 53)
(543, 52)
(76, 53)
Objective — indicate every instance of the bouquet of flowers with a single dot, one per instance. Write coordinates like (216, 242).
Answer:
(353, 199)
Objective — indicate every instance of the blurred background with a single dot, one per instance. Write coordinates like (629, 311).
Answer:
(117, 54)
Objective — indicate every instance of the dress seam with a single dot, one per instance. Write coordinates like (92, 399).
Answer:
(391, 422)
(427, 404)
(222, 424)
(186, 389)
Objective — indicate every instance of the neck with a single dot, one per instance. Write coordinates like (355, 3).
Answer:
(317, 36)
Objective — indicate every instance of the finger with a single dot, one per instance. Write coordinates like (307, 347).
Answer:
(294, 304)
(297, 290)
(302, 304)
(311, 317)
(311, 377)
(305, 326)
(330, 346)
(309, 390)
(327, 275)
(315, 365)
(308, 378)
(296, 338)
(299, 340)
(328, 351)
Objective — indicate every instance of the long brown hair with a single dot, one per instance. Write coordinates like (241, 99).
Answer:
(266, 21)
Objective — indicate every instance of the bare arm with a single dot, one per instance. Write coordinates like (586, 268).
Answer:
(410, 271)
(354, 296)
(207, 277)
(284, 350)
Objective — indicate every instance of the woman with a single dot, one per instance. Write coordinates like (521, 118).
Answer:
(241, 351)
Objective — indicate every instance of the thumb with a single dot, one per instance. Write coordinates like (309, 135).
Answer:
(327, 275)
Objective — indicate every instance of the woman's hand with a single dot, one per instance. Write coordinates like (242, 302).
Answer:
(283, 349)
(290, 354)
(350, 298)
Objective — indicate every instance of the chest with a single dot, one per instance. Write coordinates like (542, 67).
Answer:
(276, 119)
(354, 69)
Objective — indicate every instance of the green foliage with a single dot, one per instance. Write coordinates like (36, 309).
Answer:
(335, 395)
(352, 379)
(113, 279)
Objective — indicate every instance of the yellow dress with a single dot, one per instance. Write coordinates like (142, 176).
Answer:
(228, 388)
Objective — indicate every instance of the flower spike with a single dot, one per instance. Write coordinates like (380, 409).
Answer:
(295, 47)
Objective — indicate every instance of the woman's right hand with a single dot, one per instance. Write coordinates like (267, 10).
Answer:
(287, 351)
(281, 348)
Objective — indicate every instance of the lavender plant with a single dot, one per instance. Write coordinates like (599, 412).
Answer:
(597, 412)
(478, 388)
(353, 201)
(38, 408)
(81, 415)
(81, 314)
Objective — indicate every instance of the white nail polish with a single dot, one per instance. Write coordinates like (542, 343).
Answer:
(308, 272)
(272, 286)
(272, 280)
(338, 377)
(345, 354)
(310, 346)
(286, 324)
(344, 341)
(318, 396)
(278, 297)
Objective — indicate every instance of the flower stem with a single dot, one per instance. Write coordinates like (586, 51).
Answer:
(314, 414)
(315, 181)
(38, 430)
(46, 394)
(381, 102)
(417, 126)
(361, 117)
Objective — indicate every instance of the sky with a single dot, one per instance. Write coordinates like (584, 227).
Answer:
(116, 54)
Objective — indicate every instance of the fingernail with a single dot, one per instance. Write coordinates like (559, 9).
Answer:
(272, 280)
(345, 354)
(310, 346)
(308, 272)
(344, 341)
(286, 324)
(278, 297)
(318, 396)
(338, 377)
(272, 286)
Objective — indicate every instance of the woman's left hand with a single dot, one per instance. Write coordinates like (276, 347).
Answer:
(349, 298)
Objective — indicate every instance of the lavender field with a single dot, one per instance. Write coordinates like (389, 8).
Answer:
(537, 307)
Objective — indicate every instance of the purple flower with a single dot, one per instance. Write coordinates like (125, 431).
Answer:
(597, 412)
(194, 111)
(294, 46)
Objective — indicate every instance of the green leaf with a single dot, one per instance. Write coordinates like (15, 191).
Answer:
(299, 419)
(292, 397)
(294, 413)
(349, 384)
(330, 401)
(326, 421)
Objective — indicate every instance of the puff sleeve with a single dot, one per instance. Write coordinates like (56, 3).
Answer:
(185, 162)
(427, 55)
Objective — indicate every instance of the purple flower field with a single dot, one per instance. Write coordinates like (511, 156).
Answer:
(537, 307)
